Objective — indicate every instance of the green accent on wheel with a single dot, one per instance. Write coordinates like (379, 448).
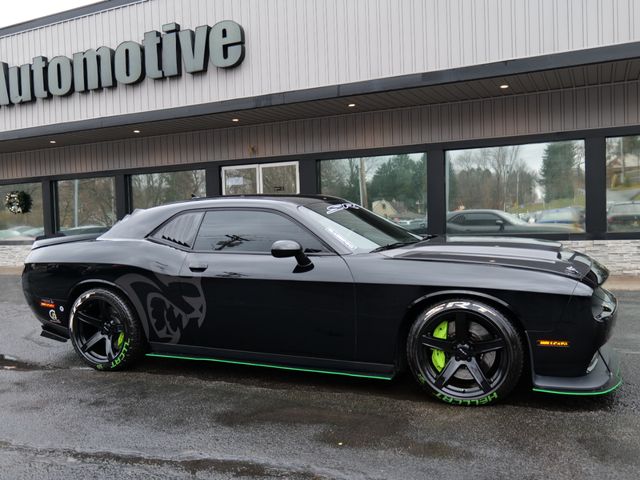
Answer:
(438, 357)
(580, 394)
(266, 365)
(120, 340)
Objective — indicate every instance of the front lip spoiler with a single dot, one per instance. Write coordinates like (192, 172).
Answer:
(603, 379)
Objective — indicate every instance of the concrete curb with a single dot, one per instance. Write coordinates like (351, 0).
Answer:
(13, 270)
(623, 282)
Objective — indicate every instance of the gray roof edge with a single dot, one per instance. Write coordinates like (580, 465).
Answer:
(65, 15)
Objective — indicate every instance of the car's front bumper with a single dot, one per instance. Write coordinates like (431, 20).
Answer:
(602, 379)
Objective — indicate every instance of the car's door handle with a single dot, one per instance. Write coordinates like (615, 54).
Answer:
(198, 267)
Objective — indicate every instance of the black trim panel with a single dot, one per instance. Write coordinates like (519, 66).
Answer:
(286, 360)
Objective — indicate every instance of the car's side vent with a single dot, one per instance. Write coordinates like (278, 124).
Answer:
(181, 230)
(176, 240)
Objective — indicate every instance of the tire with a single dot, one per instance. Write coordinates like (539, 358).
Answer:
(105, 331)
(465, 352)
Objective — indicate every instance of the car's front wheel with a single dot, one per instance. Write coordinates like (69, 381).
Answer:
(104, 330)
(465, 352)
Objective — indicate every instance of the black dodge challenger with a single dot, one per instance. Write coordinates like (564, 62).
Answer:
(319, 284)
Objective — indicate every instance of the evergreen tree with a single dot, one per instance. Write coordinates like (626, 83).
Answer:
(556, 174)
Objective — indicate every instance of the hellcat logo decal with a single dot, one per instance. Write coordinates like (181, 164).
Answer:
(162, 319)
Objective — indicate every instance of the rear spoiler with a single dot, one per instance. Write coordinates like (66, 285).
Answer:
(45, 242)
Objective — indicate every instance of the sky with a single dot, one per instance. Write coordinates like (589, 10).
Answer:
(23, 10)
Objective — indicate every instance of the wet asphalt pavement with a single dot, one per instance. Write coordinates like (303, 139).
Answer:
(177, 419)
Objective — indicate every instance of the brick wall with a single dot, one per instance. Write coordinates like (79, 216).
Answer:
(13, 255)
(621, 257)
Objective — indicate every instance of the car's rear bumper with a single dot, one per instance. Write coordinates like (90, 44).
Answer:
(602, 379)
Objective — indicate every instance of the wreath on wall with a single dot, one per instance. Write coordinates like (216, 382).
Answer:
(18, 202)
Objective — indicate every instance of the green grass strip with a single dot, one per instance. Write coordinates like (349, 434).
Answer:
(266, 365)
(604, 392)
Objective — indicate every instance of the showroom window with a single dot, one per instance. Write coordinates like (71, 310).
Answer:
(623, 184)
(393, 186)
(267, 178)
(21, 219)
(521, 189)
(86, 205)
(151, 189)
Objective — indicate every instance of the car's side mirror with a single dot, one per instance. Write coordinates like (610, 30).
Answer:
(290, 248)
(500, 224)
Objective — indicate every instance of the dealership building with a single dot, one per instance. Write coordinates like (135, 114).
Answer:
(498, 117)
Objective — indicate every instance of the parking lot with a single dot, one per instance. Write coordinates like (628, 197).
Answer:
(176, 419)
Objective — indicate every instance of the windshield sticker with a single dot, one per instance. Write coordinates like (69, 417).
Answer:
(342, 240)
(341, 206)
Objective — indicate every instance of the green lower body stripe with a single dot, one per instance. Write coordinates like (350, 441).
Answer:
(266, 365)
(603, 392)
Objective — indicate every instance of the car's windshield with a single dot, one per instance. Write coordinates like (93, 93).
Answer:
(355, 227)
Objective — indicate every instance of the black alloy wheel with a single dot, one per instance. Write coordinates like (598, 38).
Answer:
(465, 352)
(104, 330)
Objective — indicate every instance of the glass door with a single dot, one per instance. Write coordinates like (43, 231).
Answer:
(268, 178)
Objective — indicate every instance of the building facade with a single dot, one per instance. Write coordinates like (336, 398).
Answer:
(464, 117)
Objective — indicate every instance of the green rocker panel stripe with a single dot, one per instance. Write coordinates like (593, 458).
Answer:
(266, 365)
(603, 392)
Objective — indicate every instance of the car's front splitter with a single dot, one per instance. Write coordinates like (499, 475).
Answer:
(602, 379)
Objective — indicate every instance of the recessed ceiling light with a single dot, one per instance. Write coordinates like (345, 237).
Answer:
(351, 105)
(136, 131)
(52, 141)
(504, 86)
(235, 119)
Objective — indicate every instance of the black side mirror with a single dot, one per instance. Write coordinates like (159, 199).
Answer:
(290, 248)
(500, 224)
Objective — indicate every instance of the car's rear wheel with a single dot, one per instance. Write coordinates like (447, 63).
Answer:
(465, 352)
(104, 330)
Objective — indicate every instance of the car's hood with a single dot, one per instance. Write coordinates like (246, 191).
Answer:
(524, 253)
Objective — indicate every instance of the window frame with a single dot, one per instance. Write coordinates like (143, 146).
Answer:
(151, 236)
(55, 192)
(259, 184)
(131, 203)
(309, 164)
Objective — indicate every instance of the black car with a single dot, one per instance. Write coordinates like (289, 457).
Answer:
(319, 284)
(497, 221)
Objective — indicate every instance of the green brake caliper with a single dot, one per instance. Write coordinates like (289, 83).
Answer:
(120, 340)
(437, 356)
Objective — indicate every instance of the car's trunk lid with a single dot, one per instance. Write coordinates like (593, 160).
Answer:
(45, 242)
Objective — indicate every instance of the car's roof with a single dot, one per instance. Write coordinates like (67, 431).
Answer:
(143, 221)
(476, 210)
(298, 199)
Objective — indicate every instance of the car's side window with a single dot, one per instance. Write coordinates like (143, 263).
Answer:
(482, 219)
(181, 230)
(250, 231)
